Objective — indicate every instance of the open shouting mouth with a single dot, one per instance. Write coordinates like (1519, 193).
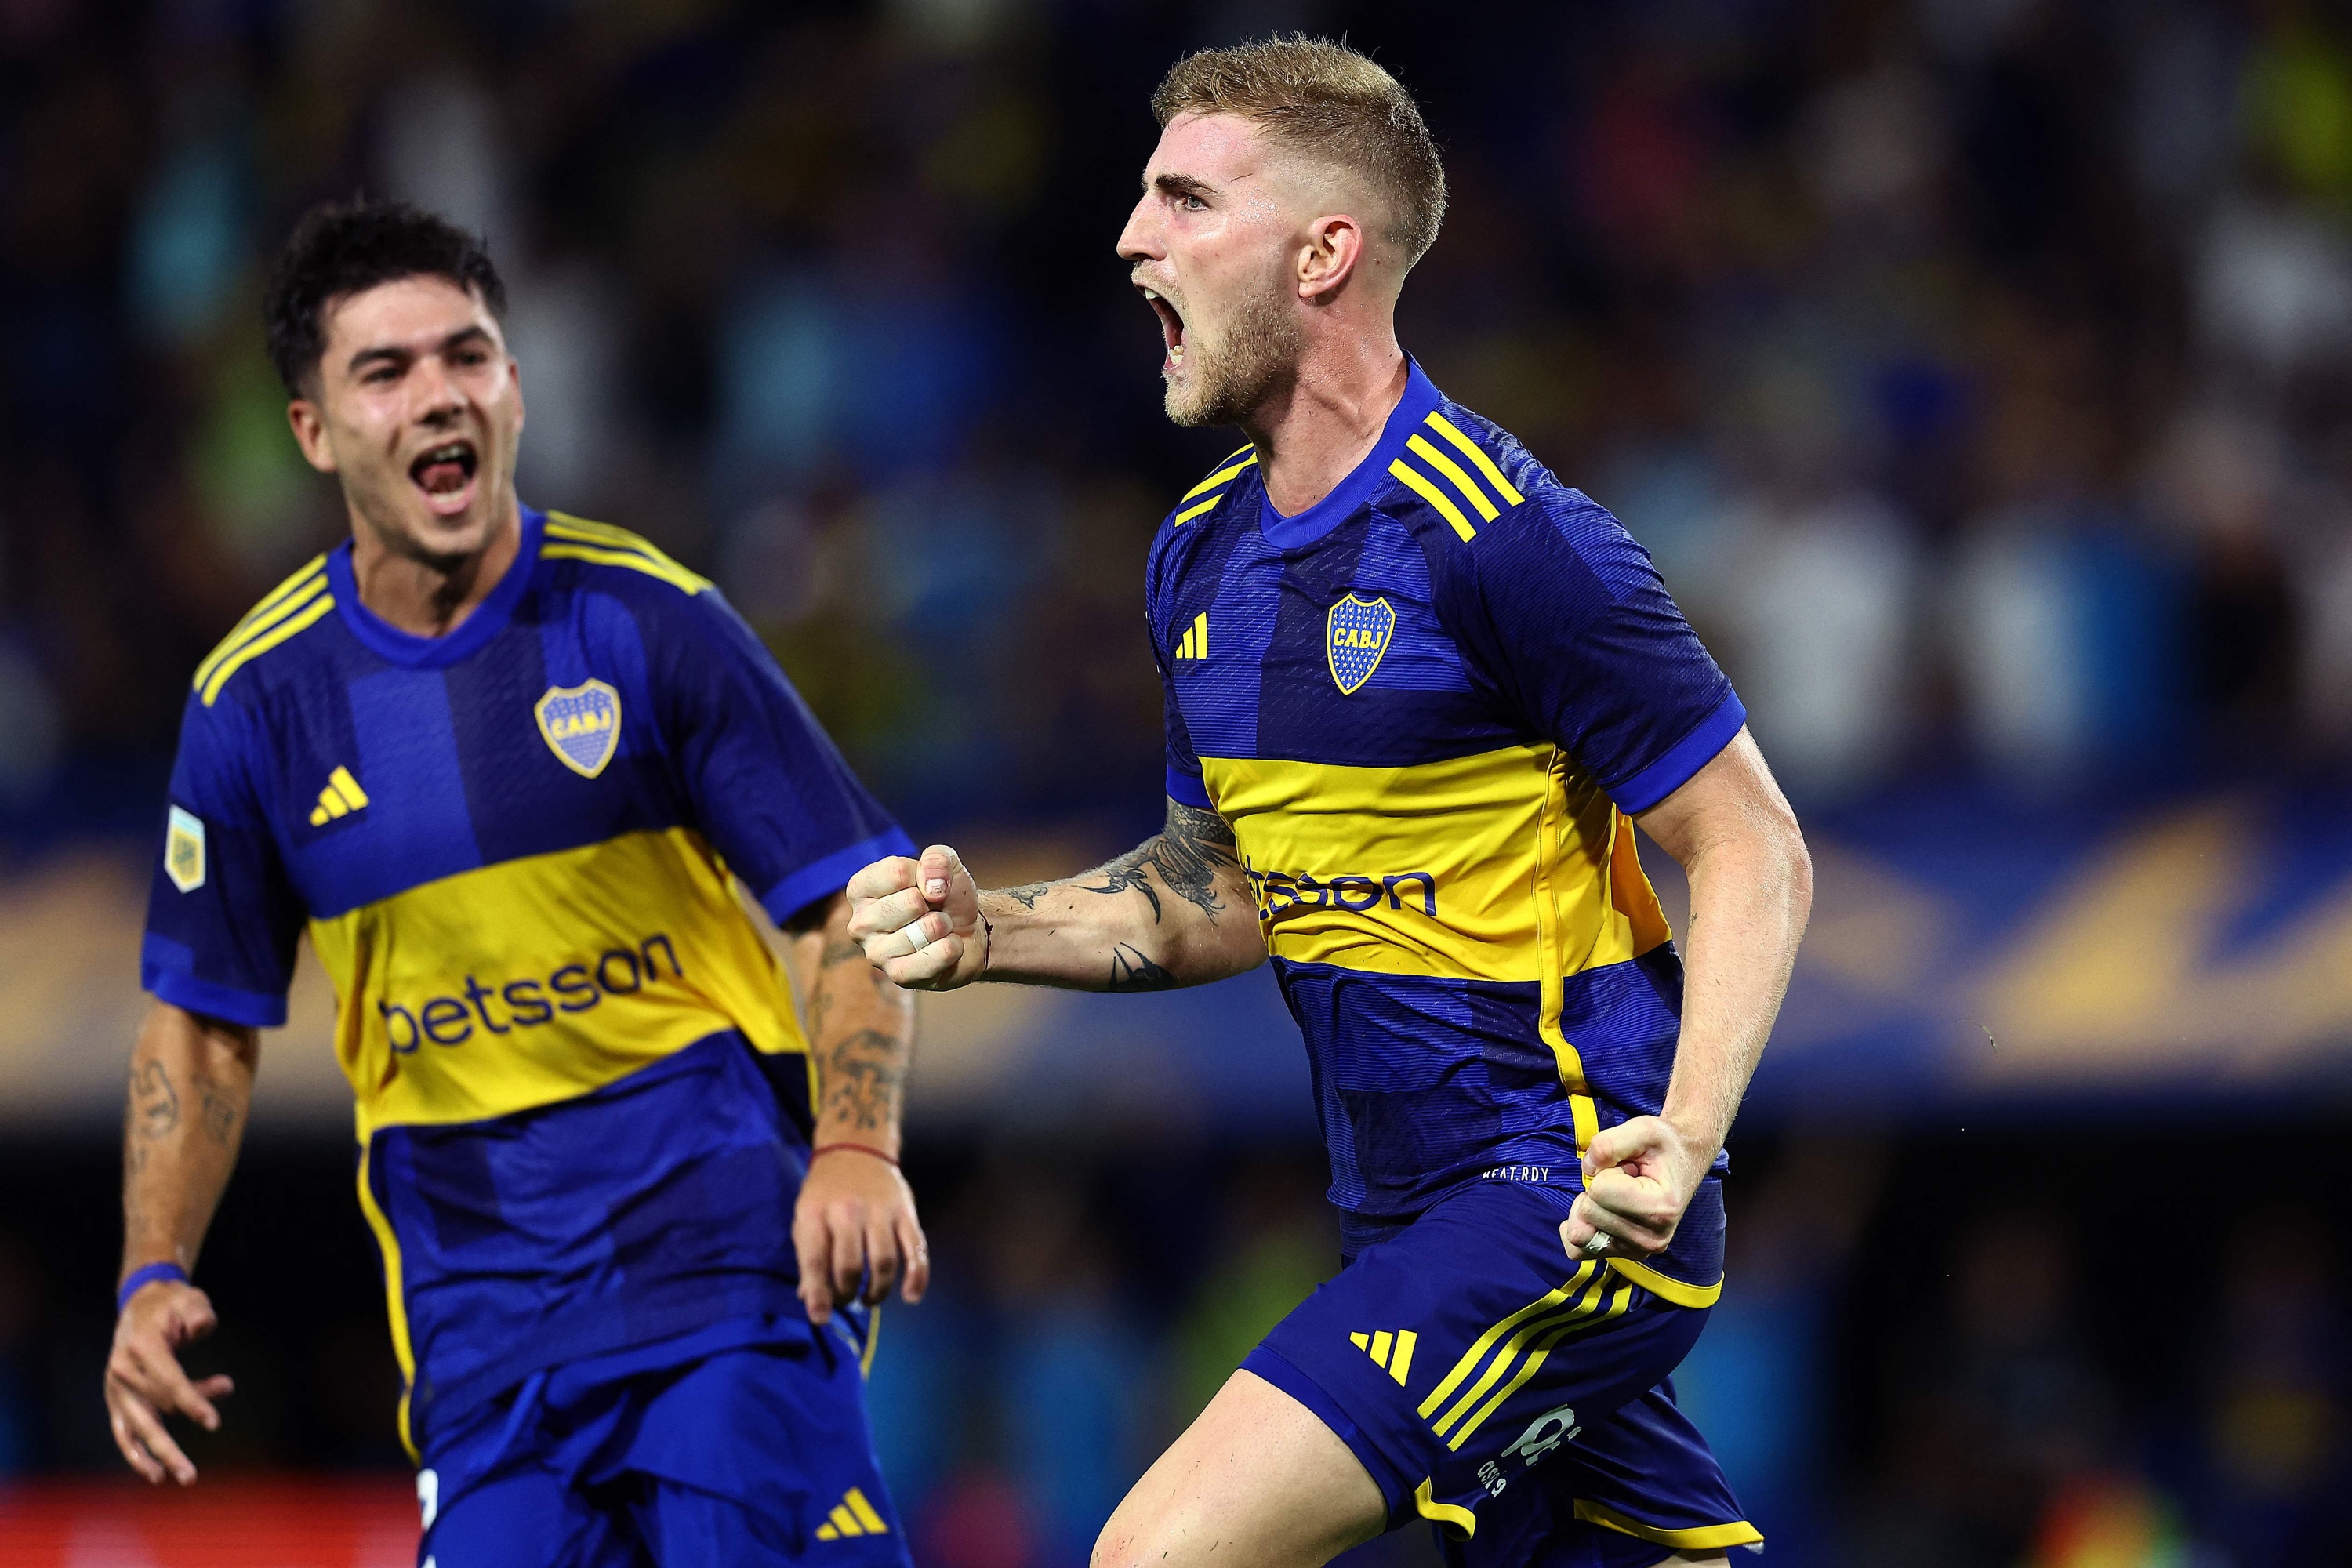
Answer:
(1172, 329)
(446, 474)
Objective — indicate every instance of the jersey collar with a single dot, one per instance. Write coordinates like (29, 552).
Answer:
(1420, 399)
(489, 617)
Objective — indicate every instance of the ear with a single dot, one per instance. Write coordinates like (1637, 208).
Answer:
(310, 423)
(514, 373)
(1333, 254)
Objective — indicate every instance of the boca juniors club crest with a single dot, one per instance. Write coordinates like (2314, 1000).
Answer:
(581, 724)
(1355, 634)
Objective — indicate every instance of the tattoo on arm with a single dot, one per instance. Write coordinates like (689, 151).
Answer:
(1130, 969)
(154, 1104)
(216, 1111)
(863, 1076)
(1187, 854)
(1027, 897)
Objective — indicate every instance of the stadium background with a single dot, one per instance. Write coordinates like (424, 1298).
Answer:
(1980, 373)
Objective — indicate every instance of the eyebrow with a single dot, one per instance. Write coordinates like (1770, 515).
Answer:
(394, 352)
(1182, 185)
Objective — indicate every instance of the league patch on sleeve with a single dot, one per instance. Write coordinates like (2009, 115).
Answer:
(183, 850)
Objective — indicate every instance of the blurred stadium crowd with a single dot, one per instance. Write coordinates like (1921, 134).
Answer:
(1980, 373)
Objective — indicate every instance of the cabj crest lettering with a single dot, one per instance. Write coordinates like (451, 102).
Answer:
(581, 724)
(1356, 633)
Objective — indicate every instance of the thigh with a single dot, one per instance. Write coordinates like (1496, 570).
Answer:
(1632, 1488)
(761, 1455)
(1458, 1356)
(529, 1518)
(1258, 1481)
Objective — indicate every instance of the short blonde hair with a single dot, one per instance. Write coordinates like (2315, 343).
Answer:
(1324, 98)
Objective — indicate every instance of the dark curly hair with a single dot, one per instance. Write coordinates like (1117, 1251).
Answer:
(341, 249)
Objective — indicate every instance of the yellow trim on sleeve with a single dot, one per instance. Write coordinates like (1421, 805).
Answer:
(1452, 471)
(394, 1301)
(1189, 512)
(1674, 1290)
(1476, 454)
(1428, 491)
(1444, 1513)
(1705, 1538)
(255, 647)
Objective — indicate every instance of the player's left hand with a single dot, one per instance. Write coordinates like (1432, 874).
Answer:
(1639, 1177)
(856, 1234)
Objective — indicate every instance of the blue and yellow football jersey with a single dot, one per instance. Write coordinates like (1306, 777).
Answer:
(583, 1096)
(1427, 707)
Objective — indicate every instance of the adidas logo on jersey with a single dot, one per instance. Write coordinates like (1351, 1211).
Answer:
(1391, 1351)
(341, 797)
(1194, 644)
(852, 1516)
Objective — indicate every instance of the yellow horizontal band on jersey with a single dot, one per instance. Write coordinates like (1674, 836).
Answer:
(312, 608)
(1518, 856)
(538, 980)
(1477, 456)
(275, 605)
(1704, 1538)
(1667, 1289)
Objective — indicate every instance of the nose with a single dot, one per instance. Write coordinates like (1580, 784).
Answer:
(438, 398)
(1140, 240)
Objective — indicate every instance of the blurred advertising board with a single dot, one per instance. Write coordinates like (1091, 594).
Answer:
(225, 1522)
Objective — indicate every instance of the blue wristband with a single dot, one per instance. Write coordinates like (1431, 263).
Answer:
(141, 1278)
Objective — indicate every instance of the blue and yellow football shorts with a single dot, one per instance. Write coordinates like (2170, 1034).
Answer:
(1518, 1398)
(746, 1443)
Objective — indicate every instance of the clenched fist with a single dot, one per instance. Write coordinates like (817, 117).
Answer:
(919, 920)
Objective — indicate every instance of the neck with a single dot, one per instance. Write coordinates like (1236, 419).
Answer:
(1328, 418)
(431, 597)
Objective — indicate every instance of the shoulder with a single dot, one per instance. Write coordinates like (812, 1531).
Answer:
(613, 559)
(1459, 475)
(1199, 510)
(268, 632)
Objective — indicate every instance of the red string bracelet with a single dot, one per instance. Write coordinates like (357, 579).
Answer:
(882, 1154)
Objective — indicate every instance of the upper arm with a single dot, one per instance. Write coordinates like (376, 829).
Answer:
(1566, 616)
(223, 915)
(1734, 797)
(764, 780)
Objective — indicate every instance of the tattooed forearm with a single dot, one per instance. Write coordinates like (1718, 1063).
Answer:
(218, 1111)
(154, 1104)
(1027, 897)
(863, 1076)
(1130, 969)
(1187, 854)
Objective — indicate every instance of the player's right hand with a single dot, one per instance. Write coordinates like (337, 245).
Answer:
(919, 920)
(144, 1382)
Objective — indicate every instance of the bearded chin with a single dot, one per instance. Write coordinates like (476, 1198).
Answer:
(1239, 370)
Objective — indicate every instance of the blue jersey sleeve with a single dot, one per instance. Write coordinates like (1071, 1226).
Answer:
(763, 779)
(222, 916)
(1183, 763)
(1569, 620)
